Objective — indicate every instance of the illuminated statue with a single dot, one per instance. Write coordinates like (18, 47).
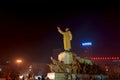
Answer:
(67, 37)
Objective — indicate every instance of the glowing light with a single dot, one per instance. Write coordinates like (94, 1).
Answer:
(112, 57)
(117, 57)
(38, 76)
(87, 44)
(108, 58)
(104, 58)
(21, 76)
(18, 61)
(98, 58)
(0, 69)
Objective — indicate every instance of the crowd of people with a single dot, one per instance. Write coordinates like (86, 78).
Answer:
(11, 76)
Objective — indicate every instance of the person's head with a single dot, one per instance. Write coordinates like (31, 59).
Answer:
(67, 29)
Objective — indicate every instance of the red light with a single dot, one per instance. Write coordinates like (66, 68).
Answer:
(92, 58)
(95, 58)
(117, 57)
(112, 57)
(102, 58)
(108, 58)
(105, 58)
(98, 58)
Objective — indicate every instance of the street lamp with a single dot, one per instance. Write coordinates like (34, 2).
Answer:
(19, 61)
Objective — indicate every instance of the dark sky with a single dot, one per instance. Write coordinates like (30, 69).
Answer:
(29, 29)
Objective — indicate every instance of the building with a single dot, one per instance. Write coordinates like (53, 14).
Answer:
(108, 63)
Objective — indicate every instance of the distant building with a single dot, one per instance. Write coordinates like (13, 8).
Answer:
(108, 63)
(86, 49)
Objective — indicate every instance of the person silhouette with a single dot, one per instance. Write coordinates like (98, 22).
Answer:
(43, 78)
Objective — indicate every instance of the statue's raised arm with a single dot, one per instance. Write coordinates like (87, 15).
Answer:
(59, 30)
(67, 37)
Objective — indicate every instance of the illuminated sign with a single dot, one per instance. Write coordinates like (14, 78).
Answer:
(87, 44)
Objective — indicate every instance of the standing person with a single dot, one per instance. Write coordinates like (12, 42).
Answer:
(23, 78)
(43, 78)
(76, 78)
(67, 37)
(39, 78)
(91, 78)
(9, 76)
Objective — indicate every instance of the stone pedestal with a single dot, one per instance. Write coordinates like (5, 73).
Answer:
(57, 76)
(66, 57)
(61, 76)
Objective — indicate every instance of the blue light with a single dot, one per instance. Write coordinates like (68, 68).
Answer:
(87, 44)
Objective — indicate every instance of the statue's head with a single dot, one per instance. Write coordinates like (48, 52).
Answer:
(67, 29)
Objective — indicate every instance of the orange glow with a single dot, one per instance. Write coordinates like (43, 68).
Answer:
(18, 61)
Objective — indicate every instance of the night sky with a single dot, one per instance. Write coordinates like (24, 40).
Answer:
(29, 30)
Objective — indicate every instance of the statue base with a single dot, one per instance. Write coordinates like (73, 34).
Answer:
(61, 76)
(66, 57)
(66, 76)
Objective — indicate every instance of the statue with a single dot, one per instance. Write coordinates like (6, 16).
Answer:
(67, 37)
